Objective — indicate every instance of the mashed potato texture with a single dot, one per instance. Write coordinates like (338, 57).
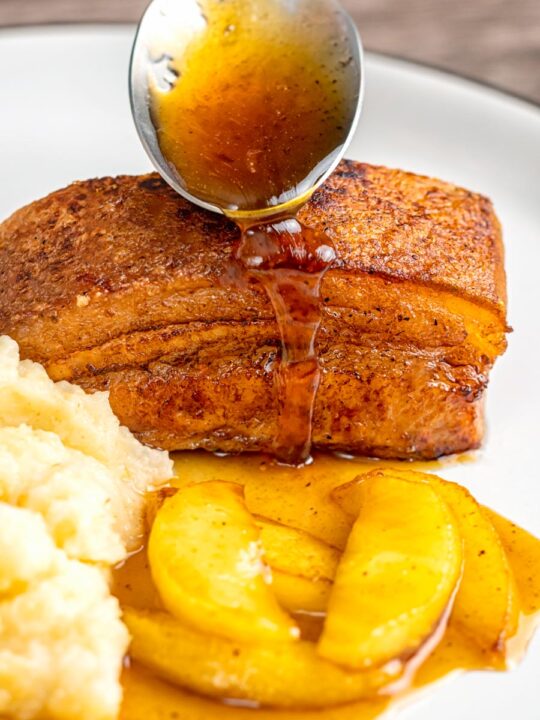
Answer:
(72, 484)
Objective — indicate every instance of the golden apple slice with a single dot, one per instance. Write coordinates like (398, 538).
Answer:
(292, 551)
(299, 594)
(486, 607)
(297, 497)
(296, 552)
(281, 675)
(397, 577)
(206, 562)
(146, 697)
(523, 553)
(303, 567)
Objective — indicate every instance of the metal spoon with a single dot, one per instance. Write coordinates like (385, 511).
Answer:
(165, 32)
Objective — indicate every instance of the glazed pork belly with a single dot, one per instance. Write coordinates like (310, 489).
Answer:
(120, 284)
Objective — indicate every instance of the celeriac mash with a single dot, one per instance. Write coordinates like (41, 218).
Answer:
(72, 482)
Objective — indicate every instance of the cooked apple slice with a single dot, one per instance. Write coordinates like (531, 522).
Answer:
(286, 675)
(523, 553)
(296, 552)
(292, 551)
(486, 606)
(299, 594)
(297, 497)
(302, 566)
(397, 577)
(206, 562)
(147, 697)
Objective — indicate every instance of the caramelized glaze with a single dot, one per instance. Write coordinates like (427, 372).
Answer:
(290, 260)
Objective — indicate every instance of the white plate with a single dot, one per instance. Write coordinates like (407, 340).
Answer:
(65, 116)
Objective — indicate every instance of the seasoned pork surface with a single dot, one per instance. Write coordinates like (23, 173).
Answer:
(120, 284)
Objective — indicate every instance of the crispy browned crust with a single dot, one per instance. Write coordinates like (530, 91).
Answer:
(118, 284)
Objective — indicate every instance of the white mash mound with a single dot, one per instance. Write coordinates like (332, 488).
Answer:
(72, 484)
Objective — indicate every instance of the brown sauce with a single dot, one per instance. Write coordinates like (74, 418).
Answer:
(254, 112)
(300, 497)
(257, 102)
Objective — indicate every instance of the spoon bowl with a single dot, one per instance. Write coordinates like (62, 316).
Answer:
(314, 42)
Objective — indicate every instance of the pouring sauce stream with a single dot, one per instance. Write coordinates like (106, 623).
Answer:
(250, 118)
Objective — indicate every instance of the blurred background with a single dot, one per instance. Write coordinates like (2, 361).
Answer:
(495, 41)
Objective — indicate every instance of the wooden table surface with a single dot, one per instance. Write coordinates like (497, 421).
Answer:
(496, 41)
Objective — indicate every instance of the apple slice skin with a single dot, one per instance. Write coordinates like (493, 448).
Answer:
(206, 562)
(280, 675)
(487, 606)
(523, 552)
(405, 550)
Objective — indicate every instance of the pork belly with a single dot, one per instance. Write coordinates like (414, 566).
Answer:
(121, 284)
